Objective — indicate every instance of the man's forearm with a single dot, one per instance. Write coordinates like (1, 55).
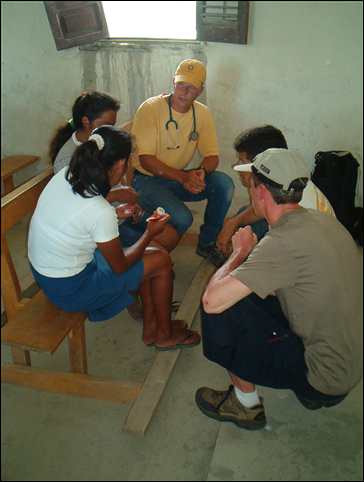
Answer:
(209, 164)
(158, 168)
(234, 261)
(223, 290)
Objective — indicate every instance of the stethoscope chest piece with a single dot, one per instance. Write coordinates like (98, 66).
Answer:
(193, 136)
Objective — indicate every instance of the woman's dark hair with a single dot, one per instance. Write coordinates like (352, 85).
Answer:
(257, 140)
(89, 167)
(89, 104)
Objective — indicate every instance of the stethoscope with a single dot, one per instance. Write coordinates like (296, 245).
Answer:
(193, 134)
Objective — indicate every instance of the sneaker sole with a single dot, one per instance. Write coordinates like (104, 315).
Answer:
(251, 425)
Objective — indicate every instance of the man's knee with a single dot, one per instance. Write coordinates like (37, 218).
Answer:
(221, 183)
(181, 220)
(217, 340)
(216, 328)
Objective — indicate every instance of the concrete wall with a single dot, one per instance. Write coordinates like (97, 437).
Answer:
(301, 71)
(38, 82)
(134, 73)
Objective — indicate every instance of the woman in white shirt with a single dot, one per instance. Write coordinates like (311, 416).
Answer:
(75, 251)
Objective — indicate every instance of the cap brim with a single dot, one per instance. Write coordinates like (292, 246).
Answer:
(188, 80)
(243, 167)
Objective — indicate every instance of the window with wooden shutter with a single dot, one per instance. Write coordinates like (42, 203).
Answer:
(76, 23)
(219, 21)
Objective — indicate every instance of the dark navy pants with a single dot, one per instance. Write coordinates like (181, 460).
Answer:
(252, 340)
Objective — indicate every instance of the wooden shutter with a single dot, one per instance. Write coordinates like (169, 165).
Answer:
(76, 23)
(222, 21)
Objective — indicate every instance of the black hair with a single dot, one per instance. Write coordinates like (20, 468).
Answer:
(89, 104)
(259, 139)
(89, 167)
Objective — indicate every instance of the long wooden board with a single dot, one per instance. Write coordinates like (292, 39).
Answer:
(154, 385)
(76, 384)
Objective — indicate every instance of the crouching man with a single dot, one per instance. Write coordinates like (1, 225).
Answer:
(285, 313)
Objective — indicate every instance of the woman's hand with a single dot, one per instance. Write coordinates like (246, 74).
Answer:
(156, 223)
(125, 211)
(137, 213)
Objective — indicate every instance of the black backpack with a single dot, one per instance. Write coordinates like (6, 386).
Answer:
(336, 174)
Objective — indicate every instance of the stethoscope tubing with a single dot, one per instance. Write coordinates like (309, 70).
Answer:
(194, 134)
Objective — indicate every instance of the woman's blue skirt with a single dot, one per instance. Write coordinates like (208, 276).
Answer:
(96, 290)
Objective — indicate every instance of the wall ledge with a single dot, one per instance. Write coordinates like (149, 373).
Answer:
(144, 44)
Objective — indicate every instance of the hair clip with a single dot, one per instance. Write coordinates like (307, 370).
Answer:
(99, 141)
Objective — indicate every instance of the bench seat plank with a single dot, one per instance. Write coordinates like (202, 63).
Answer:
(12, 164)
(40, 326)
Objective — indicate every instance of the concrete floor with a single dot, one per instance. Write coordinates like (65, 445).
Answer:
(53, 437)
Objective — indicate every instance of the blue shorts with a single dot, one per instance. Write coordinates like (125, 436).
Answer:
(96, 290)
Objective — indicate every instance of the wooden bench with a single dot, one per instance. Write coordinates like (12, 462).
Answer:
(12, 164)
(37, 325)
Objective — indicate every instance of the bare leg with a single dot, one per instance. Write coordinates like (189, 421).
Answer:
(169, 238)
(156, 291)
(149, 319)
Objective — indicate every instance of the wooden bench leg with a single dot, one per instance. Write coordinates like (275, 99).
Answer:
(77, 349)
(20, 357)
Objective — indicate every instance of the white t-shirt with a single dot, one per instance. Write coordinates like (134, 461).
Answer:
(65, 154)
(65, 228)
(313, 198)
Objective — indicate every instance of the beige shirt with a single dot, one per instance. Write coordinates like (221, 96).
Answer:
(152, 137)
(312, 264)
(313, 198)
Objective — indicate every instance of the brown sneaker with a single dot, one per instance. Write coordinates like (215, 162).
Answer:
(225, 407)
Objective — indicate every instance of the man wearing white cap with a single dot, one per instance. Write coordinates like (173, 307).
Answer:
(169, 129)
(276, 314)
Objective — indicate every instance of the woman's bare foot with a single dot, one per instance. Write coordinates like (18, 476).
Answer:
(150, 337)
(180, 338)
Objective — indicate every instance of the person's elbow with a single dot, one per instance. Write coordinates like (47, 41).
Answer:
(146, 162)
(209, 306)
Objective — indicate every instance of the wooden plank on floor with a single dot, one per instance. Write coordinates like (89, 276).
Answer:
(144, 406)
(76, 384)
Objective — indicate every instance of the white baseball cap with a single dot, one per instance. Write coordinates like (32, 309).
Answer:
(281, 166)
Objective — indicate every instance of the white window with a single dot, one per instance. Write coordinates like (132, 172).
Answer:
(162, 20)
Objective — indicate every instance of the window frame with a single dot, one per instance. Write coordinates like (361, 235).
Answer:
(231, 30)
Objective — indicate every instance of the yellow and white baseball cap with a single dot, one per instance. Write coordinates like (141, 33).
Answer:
(191, 71)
